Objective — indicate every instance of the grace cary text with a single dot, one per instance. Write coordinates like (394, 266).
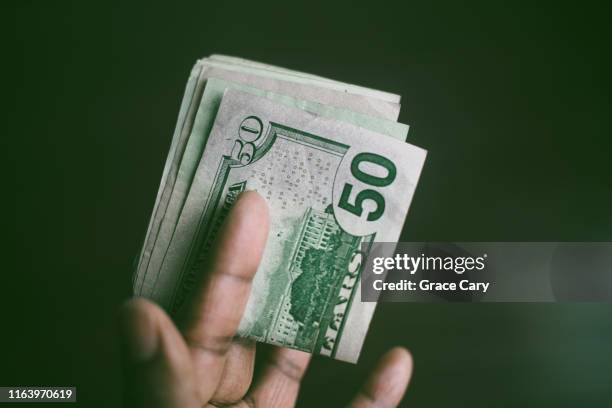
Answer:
(426, 285)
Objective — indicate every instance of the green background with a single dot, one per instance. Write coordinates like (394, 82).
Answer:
(512, 103)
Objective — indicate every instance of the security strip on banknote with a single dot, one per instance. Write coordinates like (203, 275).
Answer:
(337, 175)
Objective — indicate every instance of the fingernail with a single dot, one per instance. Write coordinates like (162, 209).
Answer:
(139, 332)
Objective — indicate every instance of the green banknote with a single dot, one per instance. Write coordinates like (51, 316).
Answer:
(196, 143)
(333, 188)
(315, 89)
(373, 93)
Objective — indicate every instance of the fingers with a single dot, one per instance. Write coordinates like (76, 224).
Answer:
(387, 383)
(157, 362)
(211, 319)
(237, 373)
(280, 379)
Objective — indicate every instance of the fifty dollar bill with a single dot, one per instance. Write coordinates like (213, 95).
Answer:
(184, 152)
(330, 188)
(335, 181)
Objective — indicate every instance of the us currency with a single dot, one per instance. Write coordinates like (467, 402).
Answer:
(373, 93)
(362, 100)
(333, 188)
(341, 95)
(182, 158)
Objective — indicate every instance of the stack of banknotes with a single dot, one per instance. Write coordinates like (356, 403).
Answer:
(333, 164)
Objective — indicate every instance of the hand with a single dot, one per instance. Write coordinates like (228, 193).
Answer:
(202, 364)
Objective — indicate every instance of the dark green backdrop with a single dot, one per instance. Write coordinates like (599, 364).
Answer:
(512, 103)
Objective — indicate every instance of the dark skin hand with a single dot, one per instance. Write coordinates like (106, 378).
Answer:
(199, 362)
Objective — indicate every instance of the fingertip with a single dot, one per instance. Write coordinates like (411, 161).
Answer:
(254, 204)
(401, 364)
(156, 360)
(254, 196)
(252, 200)
(138, 328)
(401, 357)
(139, 309)
(388, 381)
(135, 304)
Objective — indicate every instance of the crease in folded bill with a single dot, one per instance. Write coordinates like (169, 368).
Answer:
(334, 167)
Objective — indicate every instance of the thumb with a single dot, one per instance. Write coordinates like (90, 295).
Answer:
(157, 367)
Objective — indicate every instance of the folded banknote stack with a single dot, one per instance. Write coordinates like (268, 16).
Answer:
(333, 164)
